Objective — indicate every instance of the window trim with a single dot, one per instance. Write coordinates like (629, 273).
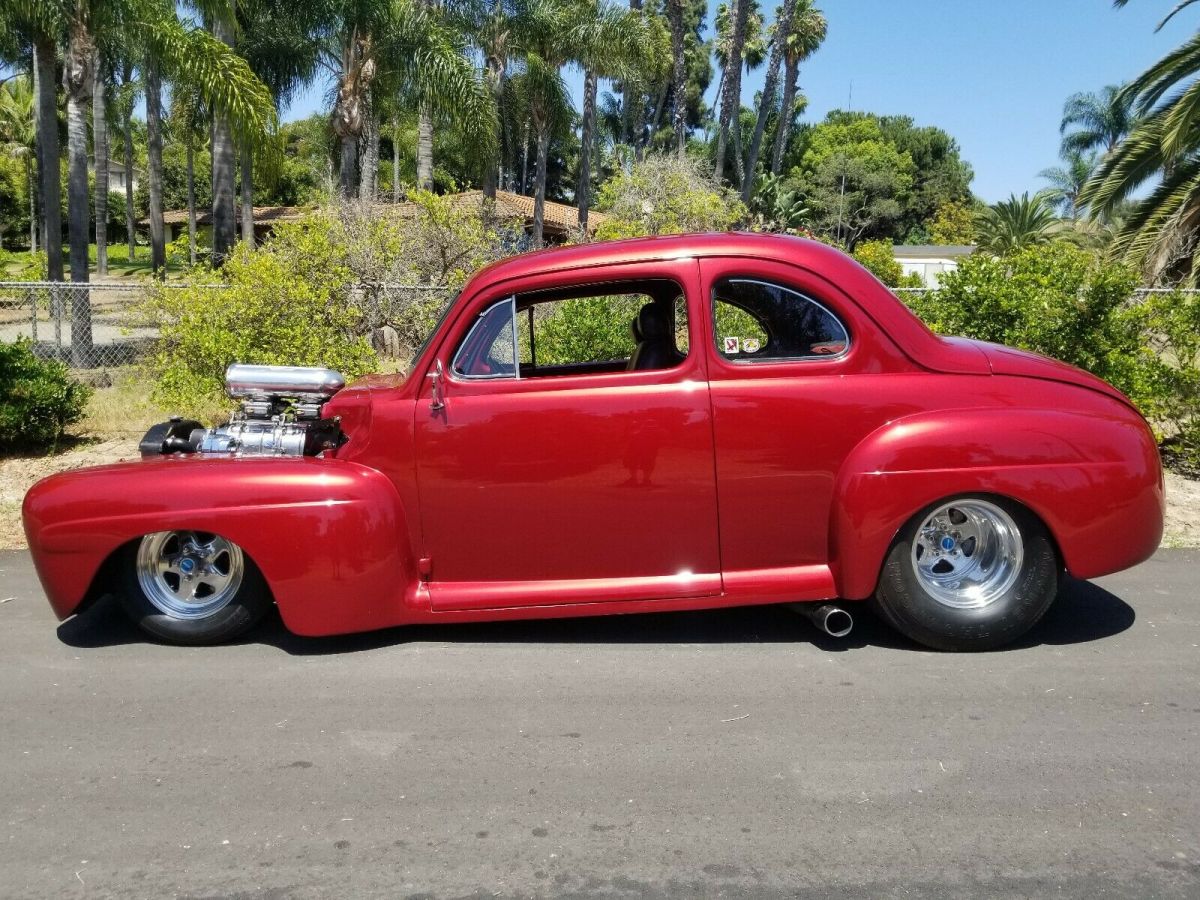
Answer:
(772, 360)
(457, 375)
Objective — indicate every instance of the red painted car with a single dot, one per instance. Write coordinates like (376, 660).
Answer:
(744, 419)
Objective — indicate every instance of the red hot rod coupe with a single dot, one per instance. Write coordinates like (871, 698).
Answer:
(773, 426)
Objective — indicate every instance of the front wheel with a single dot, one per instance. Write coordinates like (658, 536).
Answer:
(972, 573)
(192, 587)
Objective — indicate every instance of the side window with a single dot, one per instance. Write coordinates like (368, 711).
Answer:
(757, 320)
(489, 349)
(601, 329)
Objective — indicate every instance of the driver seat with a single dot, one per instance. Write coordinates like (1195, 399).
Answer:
(655, 342)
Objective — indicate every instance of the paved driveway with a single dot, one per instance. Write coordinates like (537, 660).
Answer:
(734, 753)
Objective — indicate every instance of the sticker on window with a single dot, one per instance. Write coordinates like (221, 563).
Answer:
(750, 345)
(731, 344)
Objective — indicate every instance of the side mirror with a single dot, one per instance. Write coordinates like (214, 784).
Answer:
(437, 375)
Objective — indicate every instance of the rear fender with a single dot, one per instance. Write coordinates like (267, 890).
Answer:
(329, 536)
(1093, 478)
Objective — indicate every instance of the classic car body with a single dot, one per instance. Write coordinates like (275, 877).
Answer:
(724, 474)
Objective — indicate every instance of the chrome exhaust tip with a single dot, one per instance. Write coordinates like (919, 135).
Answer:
(831, 619)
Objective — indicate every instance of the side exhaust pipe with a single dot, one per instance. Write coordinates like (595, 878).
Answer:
(833, 620)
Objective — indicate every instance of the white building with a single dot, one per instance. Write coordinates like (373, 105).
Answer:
(930, 261)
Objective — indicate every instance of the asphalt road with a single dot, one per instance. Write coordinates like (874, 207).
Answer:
(734, 754)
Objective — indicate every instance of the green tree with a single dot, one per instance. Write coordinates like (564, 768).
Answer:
(1159, 235)
(1017, 224)
(18, 139)
(853, 179)
(1067, 181)
(1095, 121)
(940, 175)
(807, 32)
(666, 194)
(953, 224)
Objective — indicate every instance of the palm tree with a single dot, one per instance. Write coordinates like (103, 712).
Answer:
(1160, 233)
(19, 139)
(678, 73)
(1016, 224)
(1066, 182)
(808, 31)
(392, 46)
(186, 123)
(730, 92)
(783, 27)
(1095, 121)
(126, 91)
(611, 43)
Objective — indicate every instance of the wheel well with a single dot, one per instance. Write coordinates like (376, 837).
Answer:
(109, 572)
(983, 495)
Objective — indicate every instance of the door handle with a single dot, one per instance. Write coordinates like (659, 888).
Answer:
(438, 400)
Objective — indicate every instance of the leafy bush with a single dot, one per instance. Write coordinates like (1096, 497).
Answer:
(38, 399)
(314, 293)
(1061, 301)
(589, 329)
(879, 258)
(284, 304)
(666, 194)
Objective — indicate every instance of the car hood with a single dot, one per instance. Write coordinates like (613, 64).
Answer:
(1010, 361)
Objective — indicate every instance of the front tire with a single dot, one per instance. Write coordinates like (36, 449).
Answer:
(970, 573)
(191, 587)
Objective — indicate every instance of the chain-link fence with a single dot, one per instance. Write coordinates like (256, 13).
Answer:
(98, 325)
(84, 325)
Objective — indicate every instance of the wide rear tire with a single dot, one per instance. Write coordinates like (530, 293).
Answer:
(190, 587)
(971, 573)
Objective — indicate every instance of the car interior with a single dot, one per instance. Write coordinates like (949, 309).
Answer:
(634, 326)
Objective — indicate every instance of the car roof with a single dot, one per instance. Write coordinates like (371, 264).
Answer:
(649, 249)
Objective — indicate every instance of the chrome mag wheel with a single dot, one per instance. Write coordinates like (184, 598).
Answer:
(189, 574)
(967, 553)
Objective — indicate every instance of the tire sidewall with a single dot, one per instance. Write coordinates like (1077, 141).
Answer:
(246, 608)
(911, 609)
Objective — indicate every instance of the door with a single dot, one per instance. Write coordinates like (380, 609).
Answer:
(568, 456)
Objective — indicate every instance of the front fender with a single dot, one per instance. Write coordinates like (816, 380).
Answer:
(1093, 477)
(329, 536)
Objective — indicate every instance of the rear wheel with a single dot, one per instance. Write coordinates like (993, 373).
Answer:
(192, 587)
(971, 573)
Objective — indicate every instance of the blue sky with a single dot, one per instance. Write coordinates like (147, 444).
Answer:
(992, 74)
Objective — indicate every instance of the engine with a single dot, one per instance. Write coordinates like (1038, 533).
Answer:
(280, 415)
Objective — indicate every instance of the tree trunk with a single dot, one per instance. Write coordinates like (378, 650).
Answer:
(223, 218)
(783, 130)
(77, 84)
(731, 101)
(158, 246)
(349, 167)
(49, 173)
(525, 159)
(130, 224)
(33, 219)
(395, 160)
(368, 188)
(495, 65)
(425, 149)
(631, 108)
(100, 150)
(767, 104)
(191, 192)
(583, 191)
(678, 74)
(656, 122)
(247, 193)
(539, 197)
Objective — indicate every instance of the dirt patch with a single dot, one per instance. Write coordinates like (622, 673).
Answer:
(1183, 512)
(18, 474)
